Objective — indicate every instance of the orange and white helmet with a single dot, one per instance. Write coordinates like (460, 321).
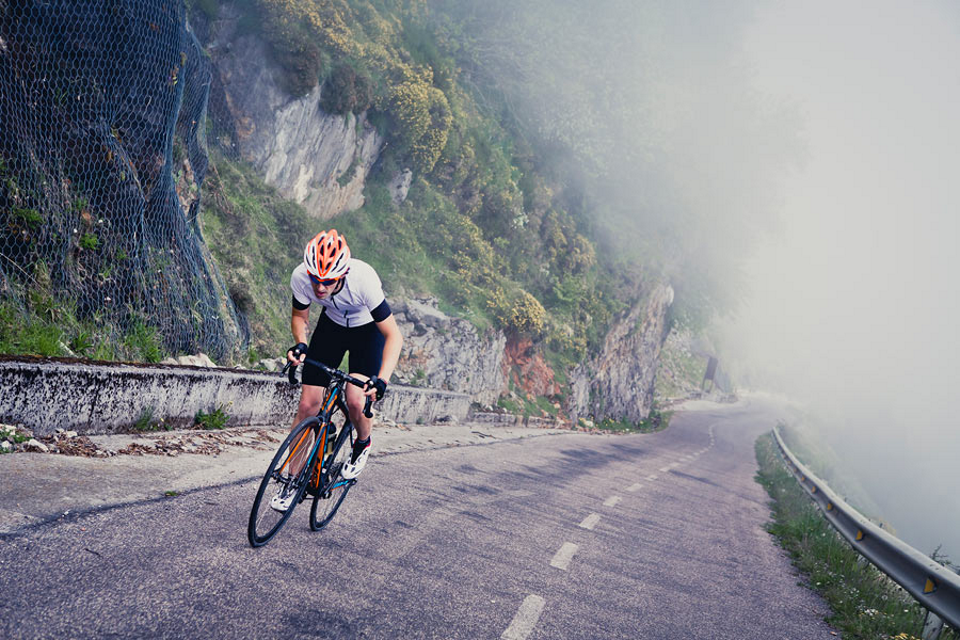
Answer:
(327, 256)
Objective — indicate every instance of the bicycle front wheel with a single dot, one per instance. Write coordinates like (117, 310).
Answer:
(334, 488)
(286, 477)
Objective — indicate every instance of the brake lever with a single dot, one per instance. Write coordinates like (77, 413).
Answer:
(367, 411)
(291, 372)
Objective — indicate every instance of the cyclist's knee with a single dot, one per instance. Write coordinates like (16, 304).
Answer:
(309, 403)
(355, 404)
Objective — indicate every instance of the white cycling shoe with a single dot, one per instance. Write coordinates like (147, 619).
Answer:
(281, 501)
(352, 470)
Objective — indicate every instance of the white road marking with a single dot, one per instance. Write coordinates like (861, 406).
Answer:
(589, 522)
(612, 501)
(665, 469)
(652, 477)
(563, 557)
(636, 486)
(526, 619)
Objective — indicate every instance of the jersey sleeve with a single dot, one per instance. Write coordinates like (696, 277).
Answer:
(300, 285)
(373, 295)
(382, 312)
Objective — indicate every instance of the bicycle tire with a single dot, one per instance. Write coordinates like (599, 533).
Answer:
(331, 495)
(264, 521)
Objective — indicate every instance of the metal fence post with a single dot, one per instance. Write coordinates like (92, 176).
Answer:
(932, 626)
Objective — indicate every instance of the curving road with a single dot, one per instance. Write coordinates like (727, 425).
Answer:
(567, 536)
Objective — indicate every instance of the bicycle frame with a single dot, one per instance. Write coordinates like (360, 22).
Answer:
(334, 399)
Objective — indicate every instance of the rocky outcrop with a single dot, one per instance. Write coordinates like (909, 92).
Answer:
(528, 370)
(618, 383)
(316, 159)
(400, 185)
(443, 352)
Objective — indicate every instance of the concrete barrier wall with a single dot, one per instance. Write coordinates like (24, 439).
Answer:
(497, 419)
(45, 395)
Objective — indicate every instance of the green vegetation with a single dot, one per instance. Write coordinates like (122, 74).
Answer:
(13, 435)
(146, 422)
(481, 228)
(49, 328)
(145, 341)
(657, 420)
(257, 239)
(89, 241)
(865, 603)
(538, 204)
(215, 420)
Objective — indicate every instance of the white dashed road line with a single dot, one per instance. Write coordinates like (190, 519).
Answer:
(563, 557)
(652, 477)
(636, 486)
(612, 501)
(665, 469)
(590, 521)
(525, 620)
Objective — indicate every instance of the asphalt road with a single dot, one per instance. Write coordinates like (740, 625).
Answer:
(566, 536)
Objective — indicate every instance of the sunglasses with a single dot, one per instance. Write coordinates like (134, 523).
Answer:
(325, 283)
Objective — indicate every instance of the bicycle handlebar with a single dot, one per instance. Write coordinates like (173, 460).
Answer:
(291, 370)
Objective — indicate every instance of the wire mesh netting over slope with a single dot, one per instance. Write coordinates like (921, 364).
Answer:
(102, 156)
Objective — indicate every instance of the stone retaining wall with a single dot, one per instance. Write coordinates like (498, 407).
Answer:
(45, 394)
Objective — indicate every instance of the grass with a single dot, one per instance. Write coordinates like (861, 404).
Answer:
(49, 328)
(146, 422)
(865, 603)
(215, 420)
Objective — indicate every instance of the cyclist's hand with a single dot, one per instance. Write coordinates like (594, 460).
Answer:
(297, 353)
(375, 386)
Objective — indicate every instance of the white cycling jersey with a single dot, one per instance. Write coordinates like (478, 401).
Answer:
(351, 306)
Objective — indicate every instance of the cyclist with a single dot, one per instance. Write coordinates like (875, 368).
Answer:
(356, 319)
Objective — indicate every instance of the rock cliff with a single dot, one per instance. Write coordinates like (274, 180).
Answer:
(316, 159)
(449, 353)
(619, 382)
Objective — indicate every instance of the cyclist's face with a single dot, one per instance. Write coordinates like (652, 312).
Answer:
(323, 290)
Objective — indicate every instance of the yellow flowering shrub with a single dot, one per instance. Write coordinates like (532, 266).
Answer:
(522, 315)
(423, 118)
(527, 315)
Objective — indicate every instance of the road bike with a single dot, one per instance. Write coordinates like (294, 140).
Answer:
(309, 462)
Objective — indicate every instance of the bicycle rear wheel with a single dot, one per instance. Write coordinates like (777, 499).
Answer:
(334, 488)
(296, 450)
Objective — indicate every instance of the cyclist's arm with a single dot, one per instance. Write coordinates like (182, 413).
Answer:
(391, 347)
(298, 325)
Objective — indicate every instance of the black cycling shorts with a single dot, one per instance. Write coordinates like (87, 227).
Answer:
(330, 342)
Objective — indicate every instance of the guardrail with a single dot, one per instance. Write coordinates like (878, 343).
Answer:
(934, 586)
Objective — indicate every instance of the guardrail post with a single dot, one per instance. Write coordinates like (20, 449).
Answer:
(932, 626)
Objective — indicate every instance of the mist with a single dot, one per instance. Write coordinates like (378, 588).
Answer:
(854, 306)
(787, 167)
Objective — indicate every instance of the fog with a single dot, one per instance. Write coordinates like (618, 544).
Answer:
(854, 306)
(786, 166)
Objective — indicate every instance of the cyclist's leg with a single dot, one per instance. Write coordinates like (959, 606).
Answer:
(311, 399)
(355, 401)
(366, 356)
(326, 348)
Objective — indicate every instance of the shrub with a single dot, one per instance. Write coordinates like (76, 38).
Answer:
(346, 91)
(423, 121)
(527, 315)
(216, 419)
